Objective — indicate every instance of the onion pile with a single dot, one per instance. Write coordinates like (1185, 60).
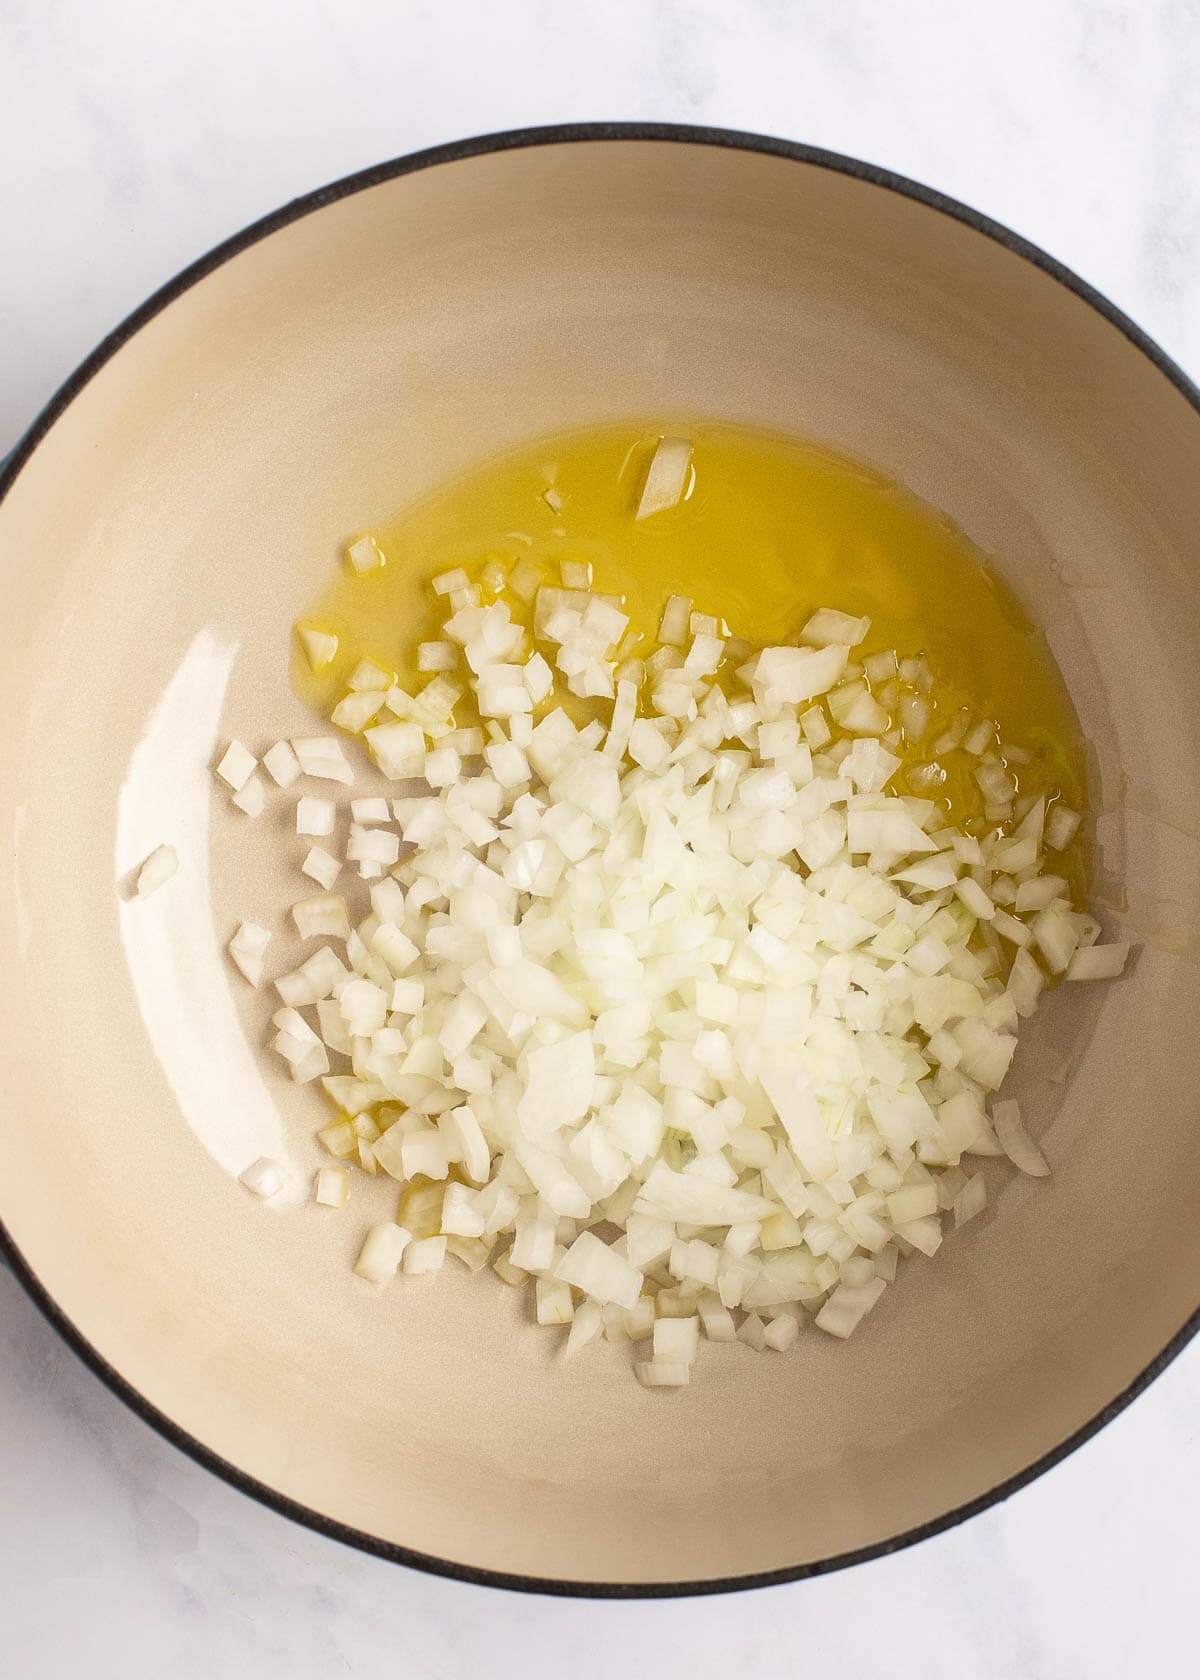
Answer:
(665, 1000)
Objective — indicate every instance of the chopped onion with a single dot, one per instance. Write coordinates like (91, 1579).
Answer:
(325, 914)
(846, 1307)
(436, 656)
(319, 645)
(380, 1256)
(354, 711)
(676, 1340)
(586, 1324)
(666, 477)
(321, 867)
(313, 980)
(315, 816)
(251, 797)
(158, 868)
(827, 627)
(752, 1331)
(1016, 1141)
(323, 757)
(282, 764)
(367, 675)
(426, 1254)
(1098, 962)
(658, 1373)
(599, 1271)
(264, 1177)
(1061, 827)
(781, 1332)
(237, 766)
(365, 555)
(970, 1201)
(683, 1004)
(553, 1301)
(372, 845)
(973, 898)
(248, 949)
(332, 1187)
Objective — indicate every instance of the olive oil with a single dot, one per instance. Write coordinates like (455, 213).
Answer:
(769, 529)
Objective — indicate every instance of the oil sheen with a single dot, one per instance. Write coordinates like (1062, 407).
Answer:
(770, 528)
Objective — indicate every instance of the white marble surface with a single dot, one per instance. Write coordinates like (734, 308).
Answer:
(135, 134)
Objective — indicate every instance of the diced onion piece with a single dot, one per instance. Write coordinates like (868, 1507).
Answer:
(789, 676)
(847, 1306)
(426, 1254)
(315, 816)
(324, 914)
(717, 1320)
(236, 766)
(340, 1139)
(1025, 983)
(658, 1373)
(1008, 927)
(320, 646)
(157, 869)
(321, 866)
(576, 574)
(313, 980)
(372, 845)
(332, 1187)
(827, 627)
(666, 477)
(972, 896)
(443, 767)
(697, 1201)
(1056, 935)
(251, 797)
(554, 1304)
(437, 656)
(322, 757)
(282, 764)
(970, 1201)
(470, 1146)
(596, 1269)
(912, 1202)
(586, 1325)
(508, 1272)
(398, 748)
(248, 949)
(752, 1331)
(355, 710)
(381, 1254)
(365, 555)
(1098, 962)
(367, 676)
(264, 1177)
(524, 580)
(1061, 827)
(676, 1340)
(1016, 1141)
(781, 1332)
(855, 708)
(1038, 893)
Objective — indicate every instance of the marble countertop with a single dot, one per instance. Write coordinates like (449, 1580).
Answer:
(138, 134)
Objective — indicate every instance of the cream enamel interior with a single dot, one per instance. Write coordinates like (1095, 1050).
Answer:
(153, 553)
